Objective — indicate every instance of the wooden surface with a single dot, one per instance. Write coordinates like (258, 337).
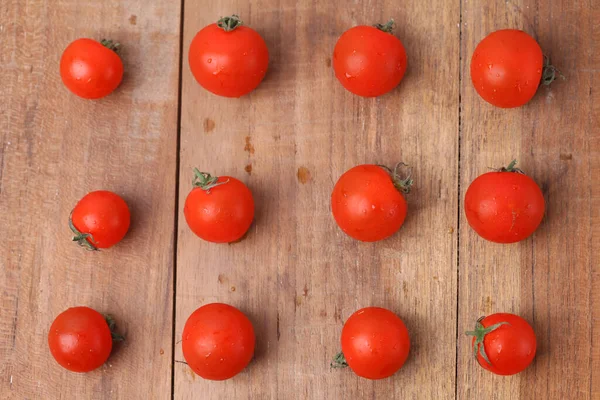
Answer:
(295, 274)
(55, 148)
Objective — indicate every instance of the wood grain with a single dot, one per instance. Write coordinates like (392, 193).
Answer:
(296, 275)
(55, 148)
(551, 279)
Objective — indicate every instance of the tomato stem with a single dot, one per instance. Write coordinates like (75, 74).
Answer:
(479, 333)
(111, 45)
(387, 27)
(550, 72)
(339, 361)
(403, 185)
(511, 168)
(112, 325)
(206, 181)
(229, 23)
(85, 240)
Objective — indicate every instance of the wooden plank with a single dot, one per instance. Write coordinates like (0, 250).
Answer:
(55, 148)
(296, 275)
(551, 279)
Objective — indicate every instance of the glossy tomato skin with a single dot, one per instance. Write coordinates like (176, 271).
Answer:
(90, 70)
(366, 205)
(218, 341)
(510, 348)
(504, 207)
(506, 68)
(104, 215)
(222, 214)
(80, 339)
(229, 64)
(369, 62)
(375, 343)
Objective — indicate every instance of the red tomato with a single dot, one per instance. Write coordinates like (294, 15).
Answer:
(218, 341)
(504, 344)
(505, 206)
(367, 202)
(369, 61)
(507, 67)
(91, 69)
(375, 343)
(228, 59)
(100, 220)
(80, 339)
(219, 209)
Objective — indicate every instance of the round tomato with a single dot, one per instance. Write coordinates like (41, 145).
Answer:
(375, 343)
(369, 60)
(507, 68)
(100, 220)
(228, 59)
(505, 206)
(219, 209)
(503, 343)
(80, 339)
(91, 69)
(367, 202)
(218, 341)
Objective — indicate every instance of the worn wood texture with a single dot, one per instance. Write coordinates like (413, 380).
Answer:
(296, 275)
(553, 278)
(54, 148)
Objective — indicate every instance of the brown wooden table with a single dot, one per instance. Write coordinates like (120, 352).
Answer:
(296, 275)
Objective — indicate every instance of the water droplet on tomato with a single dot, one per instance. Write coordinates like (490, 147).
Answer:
(349, 76)
(245, 53)
(221, 360)
(373, 206)
(490, 66)
(209, 60)
(207, 355)
(539, 71)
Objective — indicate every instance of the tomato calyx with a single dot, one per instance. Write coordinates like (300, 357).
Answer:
(387, 27)
(403, 185)
(479, 333)
(206, 181)
(511, 168)
(550, 73)
(112, 325)
(111, 45)
(229, 23)
(85, 240)
(339, 361)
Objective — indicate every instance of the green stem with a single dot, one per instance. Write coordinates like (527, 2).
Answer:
(109, 44)
(112, 325)
(387, 27)
(479, 333)
(402, 184)
(229, 23)
(550, 73)
(85, 240)
(339, 361)
(206, 181)
(511, 168)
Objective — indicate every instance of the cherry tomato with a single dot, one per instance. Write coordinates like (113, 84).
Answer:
(228, 59)
(219, 209)
(367, 202)
(218, 341)
(80, 339)
(91, 69)
(507, 68)
(375, 343)
(503, 343)
(505, 206)
(100, 220)
(369, 60)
